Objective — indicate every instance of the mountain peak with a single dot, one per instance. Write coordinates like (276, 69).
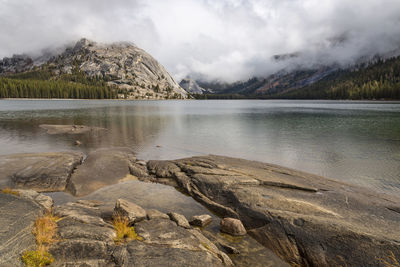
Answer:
(122, 65)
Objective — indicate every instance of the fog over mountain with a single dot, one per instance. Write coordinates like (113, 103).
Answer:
(227, 40)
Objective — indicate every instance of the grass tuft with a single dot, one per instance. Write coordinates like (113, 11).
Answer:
(8, 190)
(124, 231)
(391, 260)
(45, 230)
(37, 258)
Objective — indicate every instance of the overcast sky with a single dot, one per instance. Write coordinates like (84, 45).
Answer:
(216, 39)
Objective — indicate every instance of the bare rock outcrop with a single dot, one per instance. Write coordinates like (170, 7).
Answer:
(88, 239)
(41, 172)
(191, 86)
(125, 65)
(18, 214)
(305, 219)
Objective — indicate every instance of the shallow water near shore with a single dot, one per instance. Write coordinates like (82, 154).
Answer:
(356, 142)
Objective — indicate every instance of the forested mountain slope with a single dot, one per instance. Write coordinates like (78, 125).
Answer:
(378, 79)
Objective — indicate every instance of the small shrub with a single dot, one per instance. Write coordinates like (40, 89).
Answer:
(37, 258)
(123, 230)
(8, 190)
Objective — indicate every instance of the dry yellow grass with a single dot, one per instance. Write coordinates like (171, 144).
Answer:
(123, 230)
(8, 190)
(391, 260)
(45, 230)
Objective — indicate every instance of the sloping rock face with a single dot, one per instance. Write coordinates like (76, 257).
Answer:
(305, 219)
(16, 63)
(41, 172)
(16, 223)
(191, 86)
(87, 239)
(128, 66)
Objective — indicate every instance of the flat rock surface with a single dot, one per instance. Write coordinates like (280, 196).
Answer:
(101, 168)
(70, 129)
(40, 172)
(305, 219)
(16, 224)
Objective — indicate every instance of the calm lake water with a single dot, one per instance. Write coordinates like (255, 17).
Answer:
(356, 142)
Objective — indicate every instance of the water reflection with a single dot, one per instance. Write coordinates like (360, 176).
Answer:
(358, 142)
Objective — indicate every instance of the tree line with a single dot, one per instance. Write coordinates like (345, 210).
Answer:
(43, 83)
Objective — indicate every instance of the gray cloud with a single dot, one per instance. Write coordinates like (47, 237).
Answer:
(225, 39)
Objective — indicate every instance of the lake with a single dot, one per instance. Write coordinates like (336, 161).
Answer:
(351, 141)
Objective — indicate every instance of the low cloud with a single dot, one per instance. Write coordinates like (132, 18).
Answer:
(227, 40)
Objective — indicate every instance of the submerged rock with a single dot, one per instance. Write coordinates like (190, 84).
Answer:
(70, 129)
(130, 210)
(101, 168)
(232, 226)
(200, 220)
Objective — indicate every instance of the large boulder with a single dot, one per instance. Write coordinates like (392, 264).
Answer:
(40, 172)
(130, 210)
(305, 219)
(232, 226)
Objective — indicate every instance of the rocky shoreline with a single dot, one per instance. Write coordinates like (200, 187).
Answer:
(306, 220)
